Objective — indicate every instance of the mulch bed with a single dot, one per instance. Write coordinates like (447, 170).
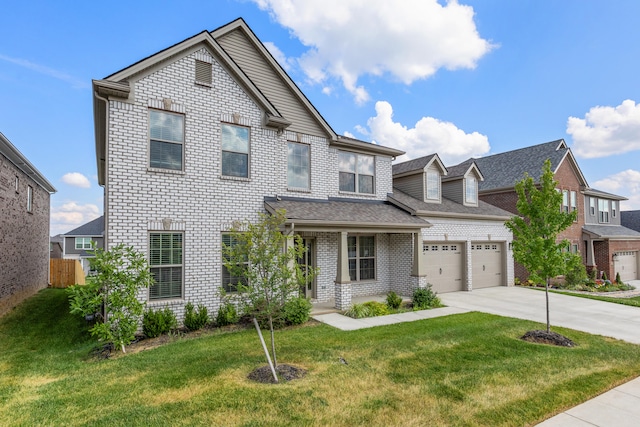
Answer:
(285, 373)
(544, 337)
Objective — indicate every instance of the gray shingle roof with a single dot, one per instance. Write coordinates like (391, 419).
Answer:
(611, 231)
(448, 207)
(505, 169)
(92, 228)
(630, 219)
(412, 165)
(334, 212)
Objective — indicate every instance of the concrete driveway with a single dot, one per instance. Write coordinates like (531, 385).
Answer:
(582, 314)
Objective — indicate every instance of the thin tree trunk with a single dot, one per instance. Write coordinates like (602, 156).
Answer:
(273, 342)
(266, 352)
(546, 292)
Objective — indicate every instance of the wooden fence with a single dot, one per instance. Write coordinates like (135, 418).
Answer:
(65, 272)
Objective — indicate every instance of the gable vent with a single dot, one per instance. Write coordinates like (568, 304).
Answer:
(203, 72)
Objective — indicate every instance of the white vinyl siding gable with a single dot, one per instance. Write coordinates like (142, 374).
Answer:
(413, 185)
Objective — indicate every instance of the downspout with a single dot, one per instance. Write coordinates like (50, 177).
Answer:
(106, 162)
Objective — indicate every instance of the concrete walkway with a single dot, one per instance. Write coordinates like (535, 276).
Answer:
(345, 323)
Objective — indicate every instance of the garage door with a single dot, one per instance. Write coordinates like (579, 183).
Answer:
(625, 263)
(444, 266)
(487, 262)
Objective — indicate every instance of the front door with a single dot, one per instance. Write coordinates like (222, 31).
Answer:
(307, 262)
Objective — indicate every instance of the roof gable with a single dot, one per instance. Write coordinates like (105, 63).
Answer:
(418, 165)
(91, 228)
(463, 170)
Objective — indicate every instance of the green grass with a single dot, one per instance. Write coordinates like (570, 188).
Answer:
(468, 369)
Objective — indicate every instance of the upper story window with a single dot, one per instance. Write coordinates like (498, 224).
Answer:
(603, 211)
(298, 165)
(614, 208)
(165, 262)
(166, 133)
(565, 200)
(433, 185)
(574, 201)
(17, 184)
(357, 172)
(471, 189)
(235, 150)
(83, 243)
(592, 206)
(29, 198)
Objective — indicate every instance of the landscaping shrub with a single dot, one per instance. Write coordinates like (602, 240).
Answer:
(227, 315)
(158, 322)
(424, 298)
(358, 311)
(393, 300)
(195, 319)
(576, 273)
(604, 276)
(377, 308)
(618, 281)
(297, 311)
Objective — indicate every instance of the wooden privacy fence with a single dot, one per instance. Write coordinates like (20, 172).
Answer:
(65, 272)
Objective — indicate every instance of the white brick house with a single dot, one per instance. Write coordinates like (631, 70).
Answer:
(212, 130)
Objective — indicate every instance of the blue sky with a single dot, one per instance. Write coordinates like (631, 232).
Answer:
(467, 78)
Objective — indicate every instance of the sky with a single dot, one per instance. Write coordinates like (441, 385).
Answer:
(462, 79)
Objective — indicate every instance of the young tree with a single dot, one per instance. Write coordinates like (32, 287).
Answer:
(266, 259)
(536, 230)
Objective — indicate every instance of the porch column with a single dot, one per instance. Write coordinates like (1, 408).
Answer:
(591, 259)
(343, 281)
(419, 268)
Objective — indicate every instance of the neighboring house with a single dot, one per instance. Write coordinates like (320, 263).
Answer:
(597, 234)
(630, 219)
(55, 246)
(79, 242)
(24, 227)
(468, 246)
(212, 130)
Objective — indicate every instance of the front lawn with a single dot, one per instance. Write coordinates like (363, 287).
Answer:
(469, 369)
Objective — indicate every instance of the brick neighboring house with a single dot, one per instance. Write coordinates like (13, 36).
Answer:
(468, 246)
(24, 227)
(597, 234)
(77, 243)
(212, 130)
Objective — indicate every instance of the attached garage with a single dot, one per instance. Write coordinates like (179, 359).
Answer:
(487, 264)
(444, 263)
(626, 263)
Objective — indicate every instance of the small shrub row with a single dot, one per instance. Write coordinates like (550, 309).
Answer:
(424, 298)
(158, 322)
(195, 319)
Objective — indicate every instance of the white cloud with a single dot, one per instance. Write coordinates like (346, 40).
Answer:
(606, 131)
(348, 134)
(625, 183)
(278, 55)
(75, 82)
(71, 215)
(76, 179)
(407, 39)
(428, 136)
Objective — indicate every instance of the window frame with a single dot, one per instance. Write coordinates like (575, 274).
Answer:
(83, 245)
(431, 175)
(290, 165)
(603, 212)
(358, 258)
(614, 209)
(171, 266)
(223, 151)
(565, 201)
(227, 279)
(592, 206)
(470, 182)
(29, 199)
(356, 173)
(153, 140)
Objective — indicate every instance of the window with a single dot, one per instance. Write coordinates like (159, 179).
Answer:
(298, 165)
(166, 132)
(362, 257)
(29, 198)
(357, 172)
(17, 184)
(592, 206)
(83, 243)
(603, 211)
(433, 185)
(230, 282)
(565, 200)
(166, 262)
(613, 208)
(574, 249)
(574, 201)
(471, 189)
(235, 151)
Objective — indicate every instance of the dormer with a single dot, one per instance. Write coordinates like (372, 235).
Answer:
(421, 178)
(461, 184)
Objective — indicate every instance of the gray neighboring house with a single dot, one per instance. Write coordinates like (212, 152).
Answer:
(24, 227)
(55, 246)
(630, 219)
(78, 243)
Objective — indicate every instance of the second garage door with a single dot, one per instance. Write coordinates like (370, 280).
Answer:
(444, 266)
(487, 261)
(625, 263)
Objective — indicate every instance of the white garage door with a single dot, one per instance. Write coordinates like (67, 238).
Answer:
(626, 264)
(444, 263)
(487, 262)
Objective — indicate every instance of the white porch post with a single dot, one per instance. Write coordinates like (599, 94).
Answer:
(343, 281)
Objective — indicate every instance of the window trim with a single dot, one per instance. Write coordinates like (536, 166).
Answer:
(308, 147)
(565, 201)
(248, 153)
(435, 175)
(159, 266)
(29, 199)
(166, 141)
(592, 206)
(83, 245)
(471, 179)
(359, 258)
(356, 174)
(613, 209)
(603, 214)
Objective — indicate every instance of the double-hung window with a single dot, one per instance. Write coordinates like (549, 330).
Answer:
(235, 150)
(433, 185)
(592, 206)
(471, 190)
(362, 257)
(357, 172)
(229, 281)
(166, 265)
(603, 211)
(166, 133)
(565, 201)
(83, 243)
(298, 165)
